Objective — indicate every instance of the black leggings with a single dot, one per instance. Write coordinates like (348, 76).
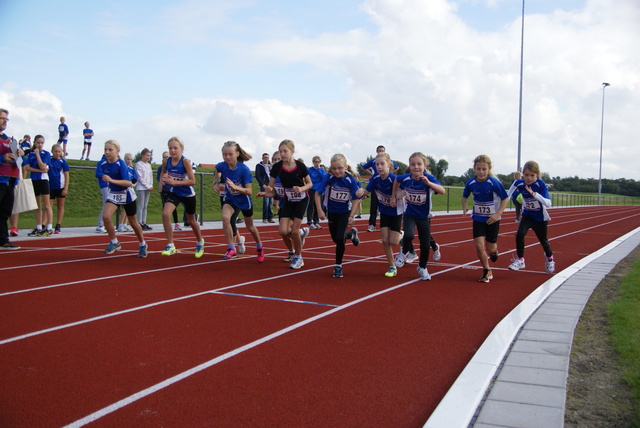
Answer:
(338, 227)
(540, 229)
(424, 235)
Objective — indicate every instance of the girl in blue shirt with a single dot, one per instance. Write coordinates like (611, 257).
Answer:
(381, 185)
(339, 189)
(38, 166)
(177, 174)
(535, 201)
(234, 180)
(58, 182)
(489, 201)
(317, 174)
(418, 188)
(116, 174)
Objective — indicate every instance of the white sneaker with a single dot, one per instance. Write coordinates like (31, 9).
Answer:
(371, 228)
(304, 232)
(411, 257)
(550, 265)
(129, 228)
(177, 228)
(240, 245)
(400, 259)
(517, 264)
(436, 254)
(296, 263)
(121, 228)
(424, 274)
(101, 229)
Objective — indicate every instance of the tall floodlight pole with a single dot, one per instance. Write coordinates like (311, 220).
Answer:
(520, 101)
(604, 85)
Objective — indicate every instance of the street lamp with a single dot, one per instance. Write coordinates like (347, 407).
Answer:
(520, 99)
(604, 85)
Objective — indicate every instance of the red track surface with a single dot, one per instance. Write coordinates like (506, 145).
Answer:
(136, 342)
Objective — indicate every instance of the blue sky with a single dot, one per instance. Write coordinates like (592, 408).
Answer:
(435, 76)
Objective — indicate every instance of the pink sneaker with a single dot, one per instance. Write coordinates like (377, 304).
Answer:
(260, 255)
(14, 231)
(229, 254)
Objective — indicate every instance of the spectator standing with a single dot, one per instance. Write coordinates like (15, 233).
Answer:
(9, 176)
(144, 186)
(87, 133)
(262, 176)
(63, 133)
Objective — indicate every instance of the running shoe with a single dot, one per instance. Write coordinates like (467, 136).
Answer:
(169, 250)
(318, 226)
(517, 264)
(199, 249)
(424, 274)
(411, 257)
(130, 229)
(14, 231)
(358, 216)
(46, 233)
(240, 245)
(371, 228)
(296, 263)
(260, 255)
(289, 258)
(35, 232)
(229, 254)
(304, 232)
(9, 246)
(101, 229)
(400, 259)
(550, 265)
(494, 256)
(311, 226)
(112, 248)
(121, 228)
(337, 272)
(486, 275)
(142, 251)
(354, 236)
(177, 228)
(436, 254)
(393, 271)
(56, 231)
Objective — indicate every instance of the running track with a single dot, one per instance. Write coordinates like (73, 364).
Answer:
(174, 341)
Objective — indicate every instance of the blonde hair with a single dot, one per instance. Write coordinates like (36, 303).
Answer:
(178, 140)
(113, 143)
(422, 156)
(242, 155)
(339, 157)
(288, 144)
(484, 159)
(533, 167)
(56, 146)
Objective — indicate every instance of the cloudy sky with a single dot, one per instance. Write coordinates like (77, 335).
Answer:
(437, 76)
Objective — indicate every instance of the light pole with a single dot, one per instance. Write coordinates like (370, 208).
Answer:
(520, 99)
(604, 85)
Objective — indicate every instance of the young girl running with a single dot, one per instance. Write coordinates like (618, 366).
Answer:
(58, 182)
(418, 188)
(115, 172)
(38, 166)
(339, 189)
(536, 200)
(295, 181)
(390, 212)
(234, 180)
(177, 173)
(489, 201)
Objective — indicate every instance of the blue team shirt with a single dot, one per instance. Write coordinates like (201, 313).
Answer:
(418, 196)
(487, 196)
(240, 176)
(316, 175)
(63, 130)
(57, 168)
(338, 192)
(45, 156)
(179, 173)
(117, 170)
(384, 192)
(530, 205)
(87, 134)
(371, 166)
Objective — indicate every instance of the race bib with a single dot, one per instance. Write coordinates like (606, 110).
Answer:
(118, 198)
(486, 209)
(339, 195)
(294, 196)
(383, 199)
(531, 204)
(415, 198)
(279, 190)
(231, 191)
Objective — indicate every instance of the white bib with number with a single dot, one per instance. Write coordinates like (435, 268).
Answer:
(484, 208)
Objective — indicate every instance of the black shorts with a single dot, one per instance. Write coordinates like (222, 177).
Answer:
(189, 202)
(40, 187)
(87, 143)
(245, 213)
(56, 193)
(294, 210)
(489, 231)
(130, 209)
(393, 222)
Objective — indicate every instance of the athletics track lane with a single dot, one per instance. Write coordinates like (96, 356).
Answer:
(385, 361)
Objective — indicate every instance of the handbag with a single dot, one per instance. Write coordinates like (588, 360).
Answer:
(24, 198)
